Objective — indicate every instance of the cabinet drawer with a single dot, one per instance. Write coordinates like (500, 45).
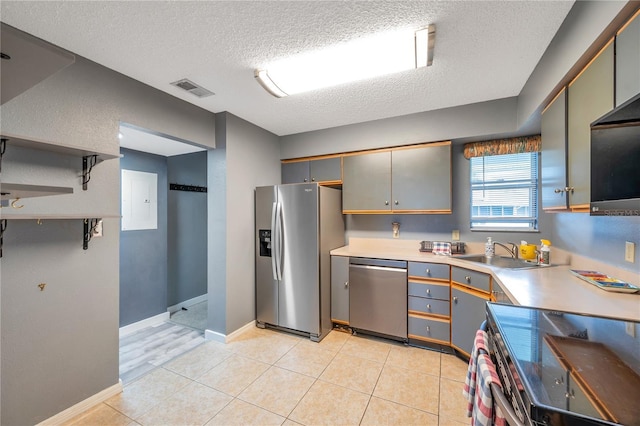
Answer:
(430, 291)
(470, 278)
(429, 270)
(428, 329)
(429, 306)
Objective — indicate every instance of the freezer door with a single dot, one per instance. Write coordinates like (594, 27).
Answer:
(299, 289)
(266, 283)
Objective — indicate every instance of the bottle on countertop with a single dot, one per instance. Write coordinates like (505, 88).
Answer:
(488, 248)
(545, 252)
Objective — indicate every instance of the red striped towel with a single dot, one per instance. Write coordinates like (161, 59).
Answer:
(484, 412)
(441, 248)
(480, 343)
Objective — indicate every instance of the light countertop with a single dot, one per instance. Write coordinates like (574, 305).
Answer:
(552, 287)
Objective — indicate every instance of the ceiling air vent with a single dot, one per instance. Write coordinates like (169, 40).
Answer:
(192, 88)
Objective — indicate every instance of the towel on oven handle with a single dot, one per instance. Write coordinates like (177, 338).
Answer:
(480, 344)
(485, 411)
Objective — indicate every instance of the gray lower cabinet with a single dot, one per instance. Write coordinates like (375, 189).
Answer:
(590, 97)
(324, 170)
(428, 307)
(340, 290)
(467, 314)
(628, 61)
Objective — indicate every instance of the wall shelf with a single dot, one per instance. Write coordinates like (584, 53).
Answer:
(89, 157)
(14, 191)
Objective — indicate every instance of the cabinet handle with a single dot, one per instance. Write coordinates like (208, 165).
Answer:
(313, 179)
(427, 271)
(559, 381)
(569, 189)
(428, 291)
(305, 179)
(386, 203)
(455, 299)
(428, 329)
(468, 278)
(428, 306)
(346, 284)
(570, 394)
(396, 202)
(558, 190)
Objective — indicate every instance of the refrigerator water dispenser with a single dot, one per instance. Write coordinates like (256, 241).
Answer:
(265, 242)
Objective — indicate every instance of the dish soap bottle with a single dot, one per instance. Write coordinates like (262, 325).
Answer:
(545, 252)
(488, 248)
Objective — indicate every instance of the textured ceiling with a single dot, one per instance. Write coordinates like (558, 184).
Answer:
(484, 50)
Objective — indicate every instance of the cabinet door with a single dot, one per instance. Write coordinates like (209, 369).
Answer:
(366, 183)
(421, 179)
(326, 170)
(554, 154)
(590, 97)
(296, 172)
(340, 289)
(467, 314)
(628, 62)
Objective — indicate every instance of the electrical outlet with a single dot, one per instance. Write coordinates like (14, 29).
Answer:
(629, 251)
(97, 230)
(455, 235)
(630, 328)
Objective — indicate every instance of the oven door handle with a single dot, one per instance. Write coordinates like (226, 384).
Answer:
(499, 400)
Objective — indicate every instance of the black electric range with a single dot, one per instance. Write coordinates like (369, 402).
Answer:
(561, 368)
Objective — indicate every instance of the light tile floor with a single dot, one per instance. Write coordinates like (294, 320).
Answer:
(265, 377)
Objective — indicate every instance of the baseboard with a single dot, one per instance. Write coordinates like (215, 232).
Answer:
(147, 322)
(83, 406)
(225, 338)
(187, 303)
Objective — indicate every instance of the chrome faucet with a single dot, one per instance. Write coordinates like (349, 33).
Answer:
(513, 251)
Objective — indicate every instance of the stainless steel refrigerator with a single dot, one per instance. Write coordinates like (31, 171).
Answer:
(296, 226)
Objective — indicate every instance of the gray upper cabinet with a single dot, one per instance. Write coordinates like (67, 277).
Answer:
(628, 61)
(401, 180)
(554, 154)
(366, 183)
(30, 61)
(421, 179)
(324, 170)
(590, 97)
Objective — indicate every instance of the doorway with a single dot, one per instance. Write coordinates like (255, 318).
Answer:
(163, 239)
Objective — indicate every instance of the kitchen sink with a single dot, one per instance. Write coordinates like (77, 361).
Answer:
(500, 261)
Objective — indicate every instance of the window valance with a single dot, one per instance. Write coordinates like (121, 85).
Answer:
(503, 146)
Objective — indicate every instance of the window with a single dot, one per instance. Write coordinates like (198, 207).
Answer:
(504, 192)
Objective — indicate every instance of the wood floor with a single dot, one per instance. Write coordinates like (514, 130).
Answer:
(144, 350)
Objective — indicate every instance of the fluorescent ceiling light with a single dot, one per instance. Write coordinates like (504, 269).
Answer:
(360, 59)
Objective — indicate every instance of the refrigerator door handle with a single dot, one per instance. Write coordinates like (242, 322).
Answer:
(277, 249)
(274, 247)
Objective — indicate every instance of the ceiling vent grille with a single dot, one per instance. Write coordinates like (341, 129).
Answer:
(193, 88)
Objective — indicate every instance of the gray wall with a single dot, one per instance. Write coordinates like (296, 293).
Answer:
(187, 229)
(143, 253)
(251, 158)
(65, 339)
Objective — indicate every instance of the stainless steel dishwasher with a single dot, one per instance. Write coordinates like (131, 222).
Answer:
(378, 296)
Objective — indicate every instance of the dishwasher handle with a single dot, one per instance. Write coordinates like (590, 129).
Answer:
(378, 268)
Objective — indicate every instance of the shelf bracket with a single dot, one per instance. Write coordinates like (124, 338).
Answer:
(89, 226)
(88, 161)
(3, 227)
(3, 148)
